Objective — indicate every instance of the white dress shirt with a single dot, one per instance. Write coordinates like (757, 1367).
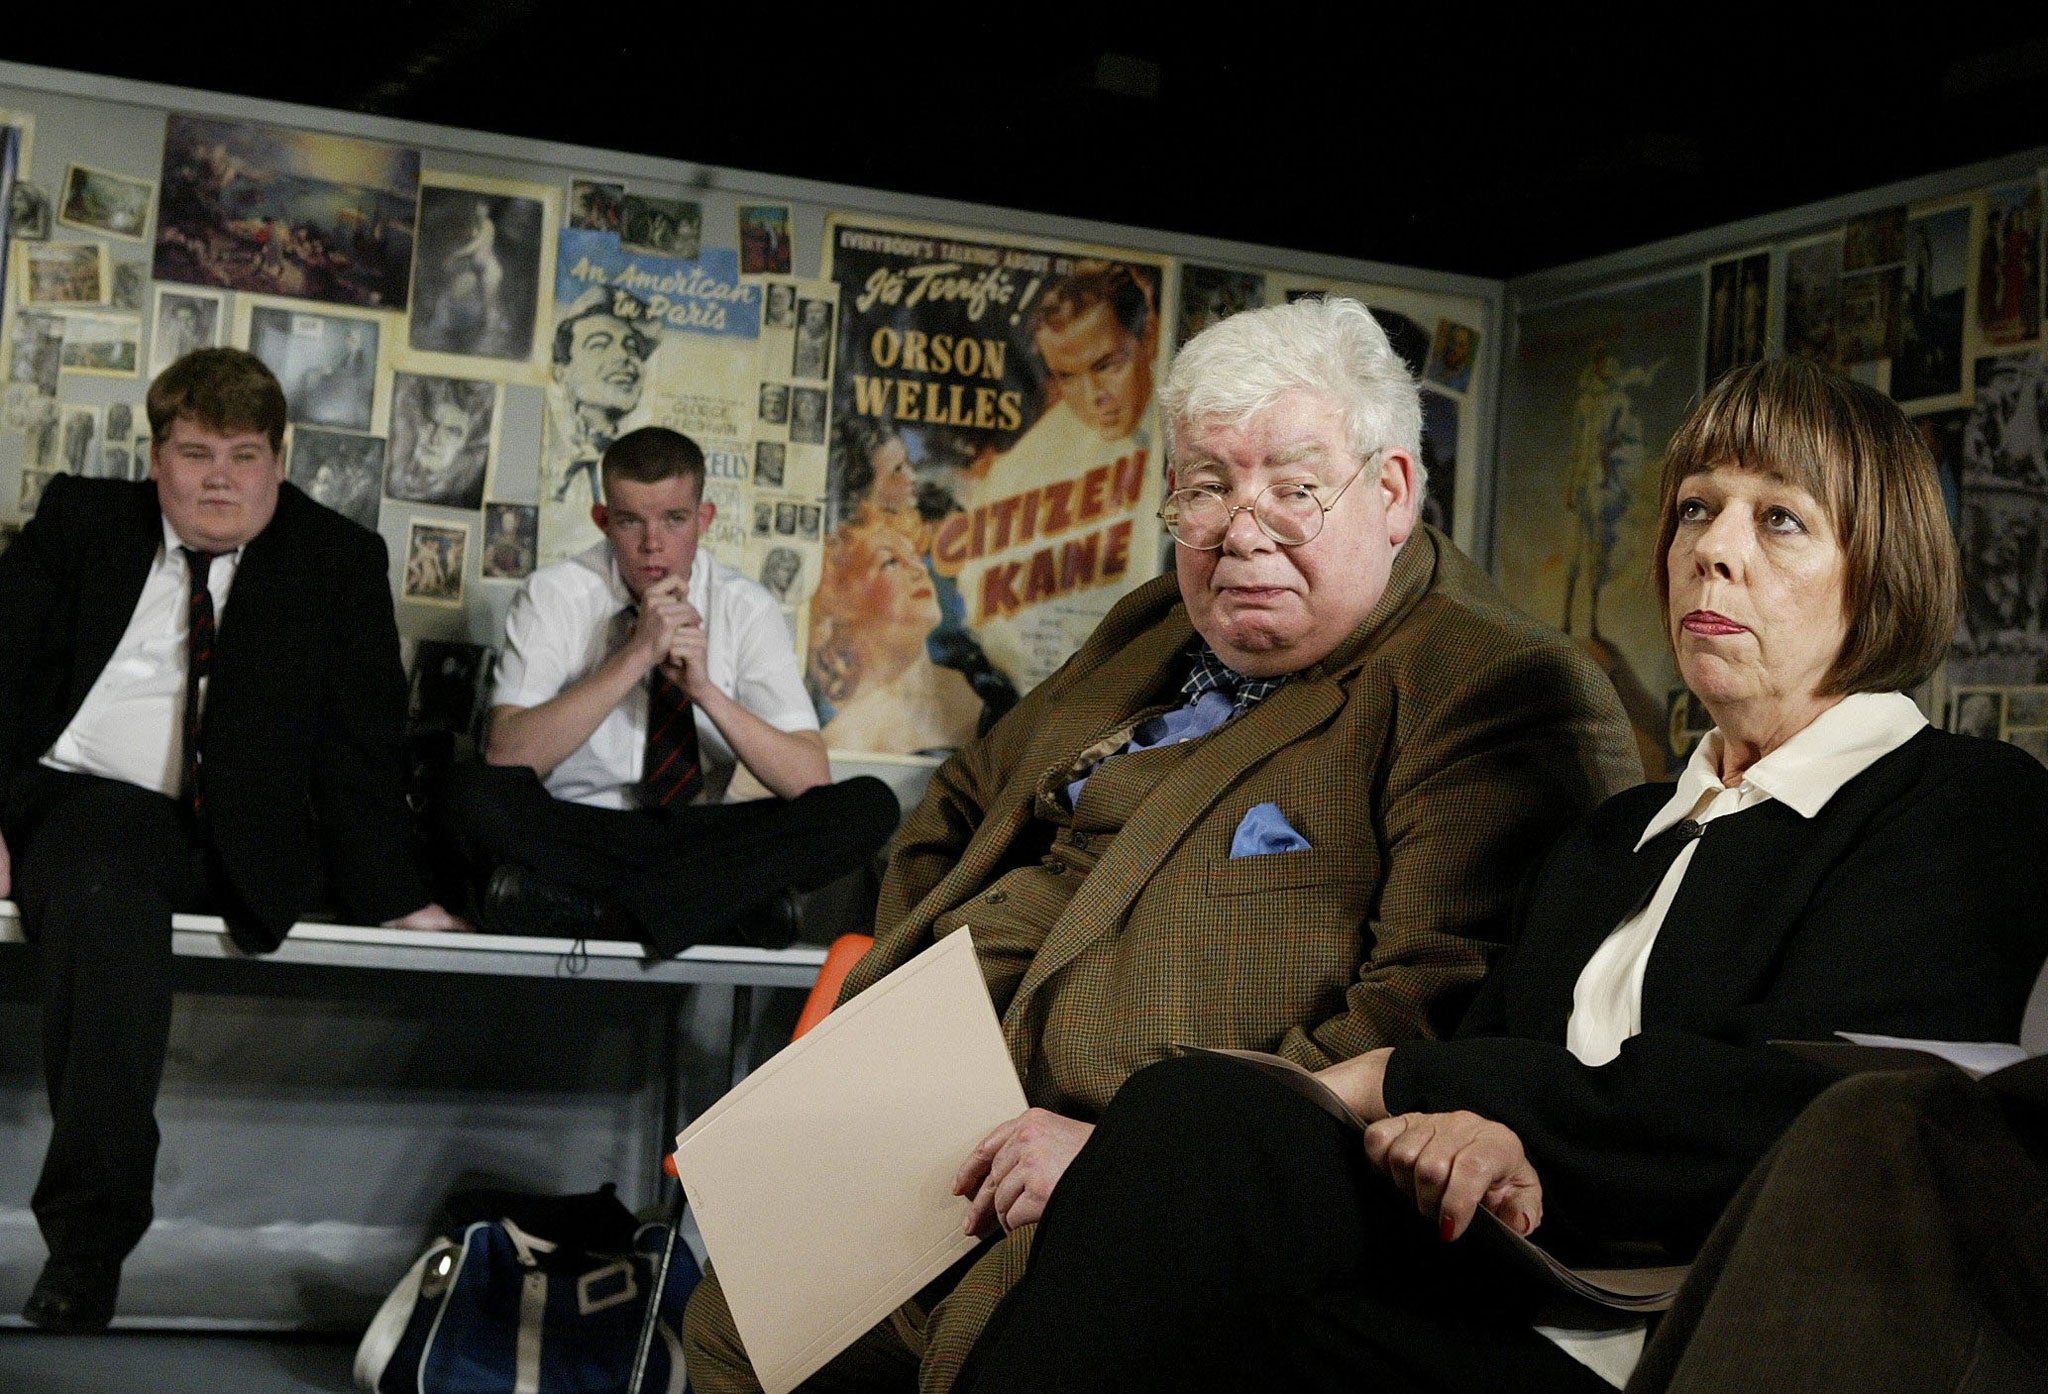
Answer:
(131, 725)
(1607, 1003)
(569, 618)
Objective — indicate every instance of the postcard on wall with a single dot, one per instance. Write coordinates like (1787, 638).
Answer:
(98, 200)
(253, 207)
(434, 557)
(483, 278)
(103, 345)
(329, 362)
(764, 239)
(61, 273)
(669, 227)
(1452, 355)
(596, 205)
(1813, 292)
(511, 541)
(2009, 265)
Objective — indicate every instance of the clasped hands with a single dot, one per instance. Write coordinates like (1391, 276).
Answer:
(1449, 1164)
(671, 634)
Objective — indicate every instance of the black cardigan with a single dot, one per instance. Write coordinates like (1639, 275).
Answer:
(1914, 904)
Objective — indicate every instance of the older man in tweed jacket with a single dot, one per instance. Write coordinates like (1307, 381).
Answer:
(1281, 800)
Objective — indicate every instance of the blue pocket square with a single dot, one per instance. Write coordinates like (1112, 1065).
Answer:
(1265, 830)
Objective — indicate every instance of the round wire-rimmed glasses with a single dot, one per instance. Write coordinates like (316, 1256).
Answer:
(1290, 513)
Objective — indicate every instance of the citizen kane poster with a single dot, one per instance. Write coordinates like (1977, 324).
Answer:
(994, 470)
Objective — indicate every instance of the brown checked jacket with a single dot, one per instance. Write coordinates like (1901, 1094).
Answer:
(1428, 762)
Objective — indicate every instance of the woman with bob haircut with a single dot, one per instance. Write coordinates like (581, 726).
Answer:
(1827, 861)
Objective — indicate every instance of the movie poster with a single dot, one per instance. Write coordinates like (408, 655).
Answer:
(1591, 395)
(2009, 265)
(301, 214)
(1929, 362)
(995, 468)
(645, 340)
(2004, 527)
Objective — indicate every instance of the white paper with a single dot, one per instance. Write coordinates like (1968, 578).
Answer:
(1974, 1058)
(823, 1184)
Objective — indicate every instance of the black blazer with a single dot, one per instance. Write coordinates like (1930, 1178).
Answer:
(1914, 904)
(305, 704)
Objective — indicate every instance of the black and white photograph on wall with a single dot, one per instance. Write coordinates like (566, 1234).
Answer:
(511, 540)
(1867, 326)
(2009, 266)
(809, 517)
(434, 555)
(807, 415)
(115, 462)
(184, 320)
(120, 422)
(1813, 285)
(35, 350)
(780, 570)
(1440, 458)
(477, 273)
(440, 439)
(1929, 361)
(1212, 293)
(1451, 356)
(77, 439)
(97, 200)
(130, 287)
(28, 212)
(138, 461)
(1875, 239)
(774, 407)
(778, 308)
(103, 345)
(247, 206)
(785, 518)
(764, 517)
(595, 204)
(327, 364)
(2004, 439)
(764, 239)
(445, 687)
(812, 356)
(2004, 537)
(768, 464)
(1977, 711)
(341, 470)
(671, 227)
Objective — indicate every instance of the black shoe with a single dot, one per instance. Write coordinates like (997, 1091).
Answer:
(776, 924)
(519, 902)
(74, 1296)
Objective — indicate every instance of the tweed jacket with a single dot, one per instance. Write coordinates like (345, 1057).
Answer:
(1428, 761)
(305, 704)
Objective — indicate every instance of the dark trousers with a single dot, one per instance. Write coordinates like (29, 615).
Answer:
(679, 876)
(1894, 1242)
(1218, 1232)
(99, 866)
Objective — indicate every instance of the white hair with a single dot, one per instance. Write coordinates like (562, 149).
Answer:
(1238, 367)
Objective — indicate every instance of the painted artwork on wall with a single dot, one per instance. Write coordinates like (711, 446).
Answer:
(1593, 392)
(261, 208)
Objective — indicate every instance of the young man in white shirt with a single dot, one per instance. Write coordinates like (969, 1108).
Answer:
(637, 678)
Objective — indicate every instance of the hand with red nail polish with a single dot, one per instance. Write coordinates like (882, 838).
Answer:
(1450, 1164)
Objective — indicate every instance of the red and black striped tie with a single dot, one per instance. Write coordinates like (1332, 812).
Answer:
(673, 772)
(198, 659)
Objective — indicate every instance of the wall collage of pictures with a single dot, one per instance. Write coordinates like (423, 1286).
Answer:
(890, 447)
(1939, 305)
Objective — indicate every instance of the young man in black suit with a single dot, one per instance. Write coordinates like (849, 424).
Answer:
(201, 708)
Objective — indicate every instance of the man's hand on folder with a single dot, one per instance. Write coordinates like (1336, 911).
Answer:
(1012, 1172)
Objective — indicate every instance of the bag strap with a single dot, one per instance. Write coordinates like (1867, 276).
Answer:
(529, 1246)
